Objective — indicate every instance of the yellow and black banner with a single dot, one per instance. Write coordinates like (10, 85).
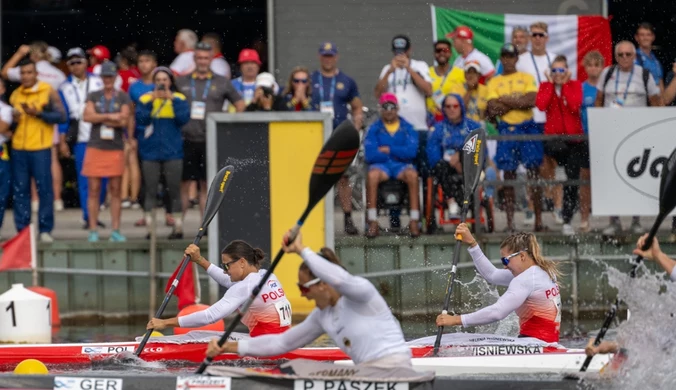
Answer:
(273, 155)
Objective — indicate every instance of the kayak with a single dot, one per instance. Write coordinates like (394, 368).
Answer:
(481, 349)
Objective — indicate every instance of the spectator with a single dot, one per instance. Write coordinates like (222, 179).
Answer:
(474, 93)
(127, 71)
(56, 59)
(335, 91)
(249, 65)
(97, 55)
(390, 147)
(184, 43)
(162, 113)
(298, 91)
(5, 168)
(463, 43)
(75, 132)
(520, 39)
(561, 99)
(218, 63)
(645, 58)
(264, 98)
(444, 149)
(444, 78)
(37, 108)
(511, 97)
(108, 111)
(206, 92)
(593, 63)
(626, 91)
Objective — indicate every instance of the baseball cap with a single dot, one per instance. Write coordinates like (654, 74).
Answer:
(100, 52)
(265, 79)
(249, 55)
(401, 43)
(75, 52)
(54, 53)
(328, 49)
(473, 65)
(462, 32)
(388, 97)
(509, 48)
(108, 68)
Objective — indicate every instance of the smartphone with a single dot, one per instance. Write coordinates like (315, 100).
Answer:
(162, 87)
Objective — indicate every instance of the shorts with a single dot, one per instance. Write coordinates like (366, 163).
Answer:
(392, 169)
(194, 161)
(566, 152)
(510, 154)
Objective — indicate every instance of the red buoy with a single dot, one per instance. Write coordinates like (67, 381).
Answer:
(218, 325)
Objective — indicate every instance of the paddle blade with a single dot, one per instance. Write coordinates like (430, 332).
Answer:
(668, 185)
(332, 162)
(473, 160)
(216, 194)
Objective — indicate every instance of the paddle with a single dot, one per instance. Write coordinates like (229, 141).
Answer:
(215, 198)
(472, 165)
(332, 162)
(667, 199)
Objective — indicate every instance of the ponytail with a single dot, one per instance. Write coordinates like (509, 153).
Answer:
(259, 256)
(528, 242)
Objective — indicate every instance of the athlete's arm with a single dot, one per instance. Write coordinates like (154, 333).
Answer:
(233, 298)
(219, 276)
(352, 287)
(493, 275)
(515, 296)
(294, 338)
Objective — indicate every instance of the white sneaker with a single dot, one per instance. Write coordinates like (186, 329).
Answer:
(35, 206)
(46, 237)
(58, 205)
(557, 216)
(568, 230)
(453, 208)
(126, 204)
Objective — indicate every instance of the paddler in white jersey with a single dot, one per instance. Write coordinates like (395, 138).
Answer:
(349, 309)
(532, 292)
(269, 313)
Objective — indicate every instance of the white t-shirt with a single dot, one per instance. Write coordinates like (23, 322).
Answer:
(47, 72)
(536, 67)
(5, 116)
(183, 64)
(75, 95)
(359, 313)
(625, 92)
(411, 100)
(487, 67)
(220, 67)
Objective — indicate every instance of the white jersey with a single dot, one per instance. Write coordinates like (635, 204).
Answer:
(536, 67)
(487, 67)
(532, 295)
(270, 312)
(412, 104)
(5, 116)
(361, 324)
(74, 94)
(183, 64)
(47, 72)
(220, 67)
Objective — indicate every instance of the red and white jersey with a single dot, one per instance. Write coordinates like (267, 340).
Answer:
(47, 72)
(183, 64)
(269, 313)
(532, 295)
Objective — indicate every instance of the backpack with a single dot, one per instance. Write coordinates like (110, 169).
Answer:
(646, 77)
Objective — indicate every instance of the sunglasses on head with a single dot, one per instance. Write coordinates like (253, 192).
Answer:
(305, 287)
(625, 54)
(559, 70)
(538, 35)
(300, 81)
(226, 266)
(442, 50)
(505, 260)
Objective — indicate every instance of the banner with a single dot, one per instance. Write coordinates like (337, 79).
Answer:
(628, 148)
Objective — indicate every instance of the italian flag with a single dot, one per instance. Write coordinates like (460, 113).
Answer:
(570, 35)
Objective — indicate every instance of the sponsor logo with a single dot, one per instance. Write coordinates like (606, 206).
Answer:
(221, 188)
(302, 384)
(203, 383)
(336, 372)
(470, 144)
(491, 350)
(112, 350)
(77, 383)
(272, 284)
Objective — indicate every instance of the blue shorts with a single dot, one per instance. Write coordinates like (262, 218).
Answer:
(510, 153)
(392, 169)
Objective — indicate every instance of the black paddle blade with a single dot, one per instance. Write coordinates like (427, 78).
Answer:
(334, 159)
(216, 193)
(668, 185)
(473, 160)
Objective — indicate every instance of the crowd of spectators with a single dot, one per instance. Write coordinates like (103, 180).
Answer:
(132, 126)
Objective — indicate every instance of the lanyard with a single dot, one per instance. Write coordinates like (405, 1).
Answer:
(77, 91)
(111, 106)
(443, 81)
(206, 88)
(332, 90)
(617, 81)
(537, 71)
(394, 80)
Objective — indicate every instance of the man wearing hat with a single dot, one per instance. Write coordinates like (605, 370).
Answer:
(75, 132)
(249, 65)
(463, 42)
(511, 97)
(335, 91)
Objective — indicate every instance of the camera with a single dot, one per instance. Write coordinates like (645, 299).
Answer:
(267, 91)
(162, 87)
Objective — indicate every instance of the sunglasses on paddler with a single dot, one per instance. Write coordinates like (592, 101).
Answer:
(225, 266)
(305, 287)
(505, 260)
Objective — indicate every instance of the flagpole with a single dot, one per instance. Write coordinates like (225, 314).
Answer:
(34, 254)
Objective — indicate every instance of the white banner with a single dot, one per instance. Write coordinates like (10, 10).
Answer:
(628, 148)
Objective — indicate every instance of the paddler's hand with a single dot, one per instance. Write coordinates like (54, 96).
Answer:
(448, 320)
(463, 234)
(214, 350)
(603, 348)
(652, 253)
(294, 247)
(193, 252)
(157, 324)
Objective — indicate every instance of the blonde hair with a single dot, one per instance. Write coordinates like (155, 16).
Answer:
(540, 25)
(592, 57)
(527, 242)
(39, 48)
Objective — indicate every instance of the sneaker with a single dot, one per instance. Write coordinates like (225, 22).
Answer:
(453, 209)
(175, 235)
(529, 219)
(558, 217)
(103, 207)
(126, 203)
(46, 237)
(93, 236)
(636, 228)
(350, 229)
(35, 206)
(58, 205)
(567, 230)
(140, 222)
(116, 236)
(612, 229)
(135, 206)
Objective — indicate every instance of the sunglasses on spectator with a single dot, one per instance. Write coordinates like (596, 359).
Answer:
(226, 266)
(505, 260)
(389, 106)
(305, 287)
(300, 81)
(442, 50)
(538, 35)
(75, 62)
(559, 70)
(451, 105)
(625, 54)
